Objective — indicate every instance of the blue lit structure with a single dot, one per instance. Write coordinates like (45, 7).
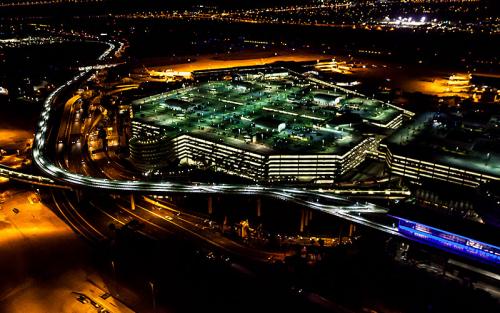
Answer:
(451, 242)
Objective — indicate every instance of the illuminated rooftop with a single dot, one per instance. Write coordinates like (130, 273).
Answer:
(266, 113)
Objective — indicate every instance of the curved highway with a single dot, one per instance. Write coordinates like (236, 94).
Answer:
(316, 200)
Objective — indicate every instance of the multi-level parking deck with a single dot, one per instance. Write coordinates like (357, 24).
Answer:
(274, 125)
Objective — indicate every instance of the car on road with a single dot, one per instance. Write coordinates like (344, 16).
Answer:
(82, 299)
(15, 210)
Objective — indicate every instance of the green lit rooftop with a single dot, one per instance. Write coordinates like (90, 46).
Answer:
(268, 113)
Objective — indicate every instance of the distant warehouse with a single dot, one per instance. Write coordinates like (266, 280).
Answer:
(269, 125)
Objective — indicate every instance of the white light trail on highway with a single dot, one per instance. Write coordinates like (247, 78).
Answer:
(324, 202)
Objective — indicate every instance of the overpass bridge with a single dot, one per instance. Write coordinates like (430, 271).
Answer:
(319, 200)
(12, 174)
(314, 199)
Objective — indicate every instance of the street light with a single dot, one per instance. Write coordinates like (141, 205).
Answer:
(113, 266)
(114, 277)
(151, 284)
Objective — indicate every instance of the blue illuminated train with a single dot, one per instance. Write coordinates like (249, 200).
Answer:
(448, 241)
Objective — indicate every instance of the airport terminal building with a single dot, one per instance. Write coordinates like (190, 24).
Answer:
(272, 125)
(443, 148)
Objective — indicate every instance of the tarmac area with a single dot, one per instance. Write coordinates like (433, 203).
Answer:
(44, 266)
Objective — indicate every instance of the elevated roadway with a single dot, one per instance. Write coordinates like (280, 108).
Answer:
(366, 214)
(313, 199)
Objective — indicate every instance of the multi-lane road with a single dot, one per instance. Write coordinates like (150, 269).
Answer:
(90, 177)
(313, 199)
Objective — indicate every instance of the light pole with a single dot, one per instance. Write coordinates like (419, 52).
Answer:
(152, 285)
(114, 277)
(113, 267)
